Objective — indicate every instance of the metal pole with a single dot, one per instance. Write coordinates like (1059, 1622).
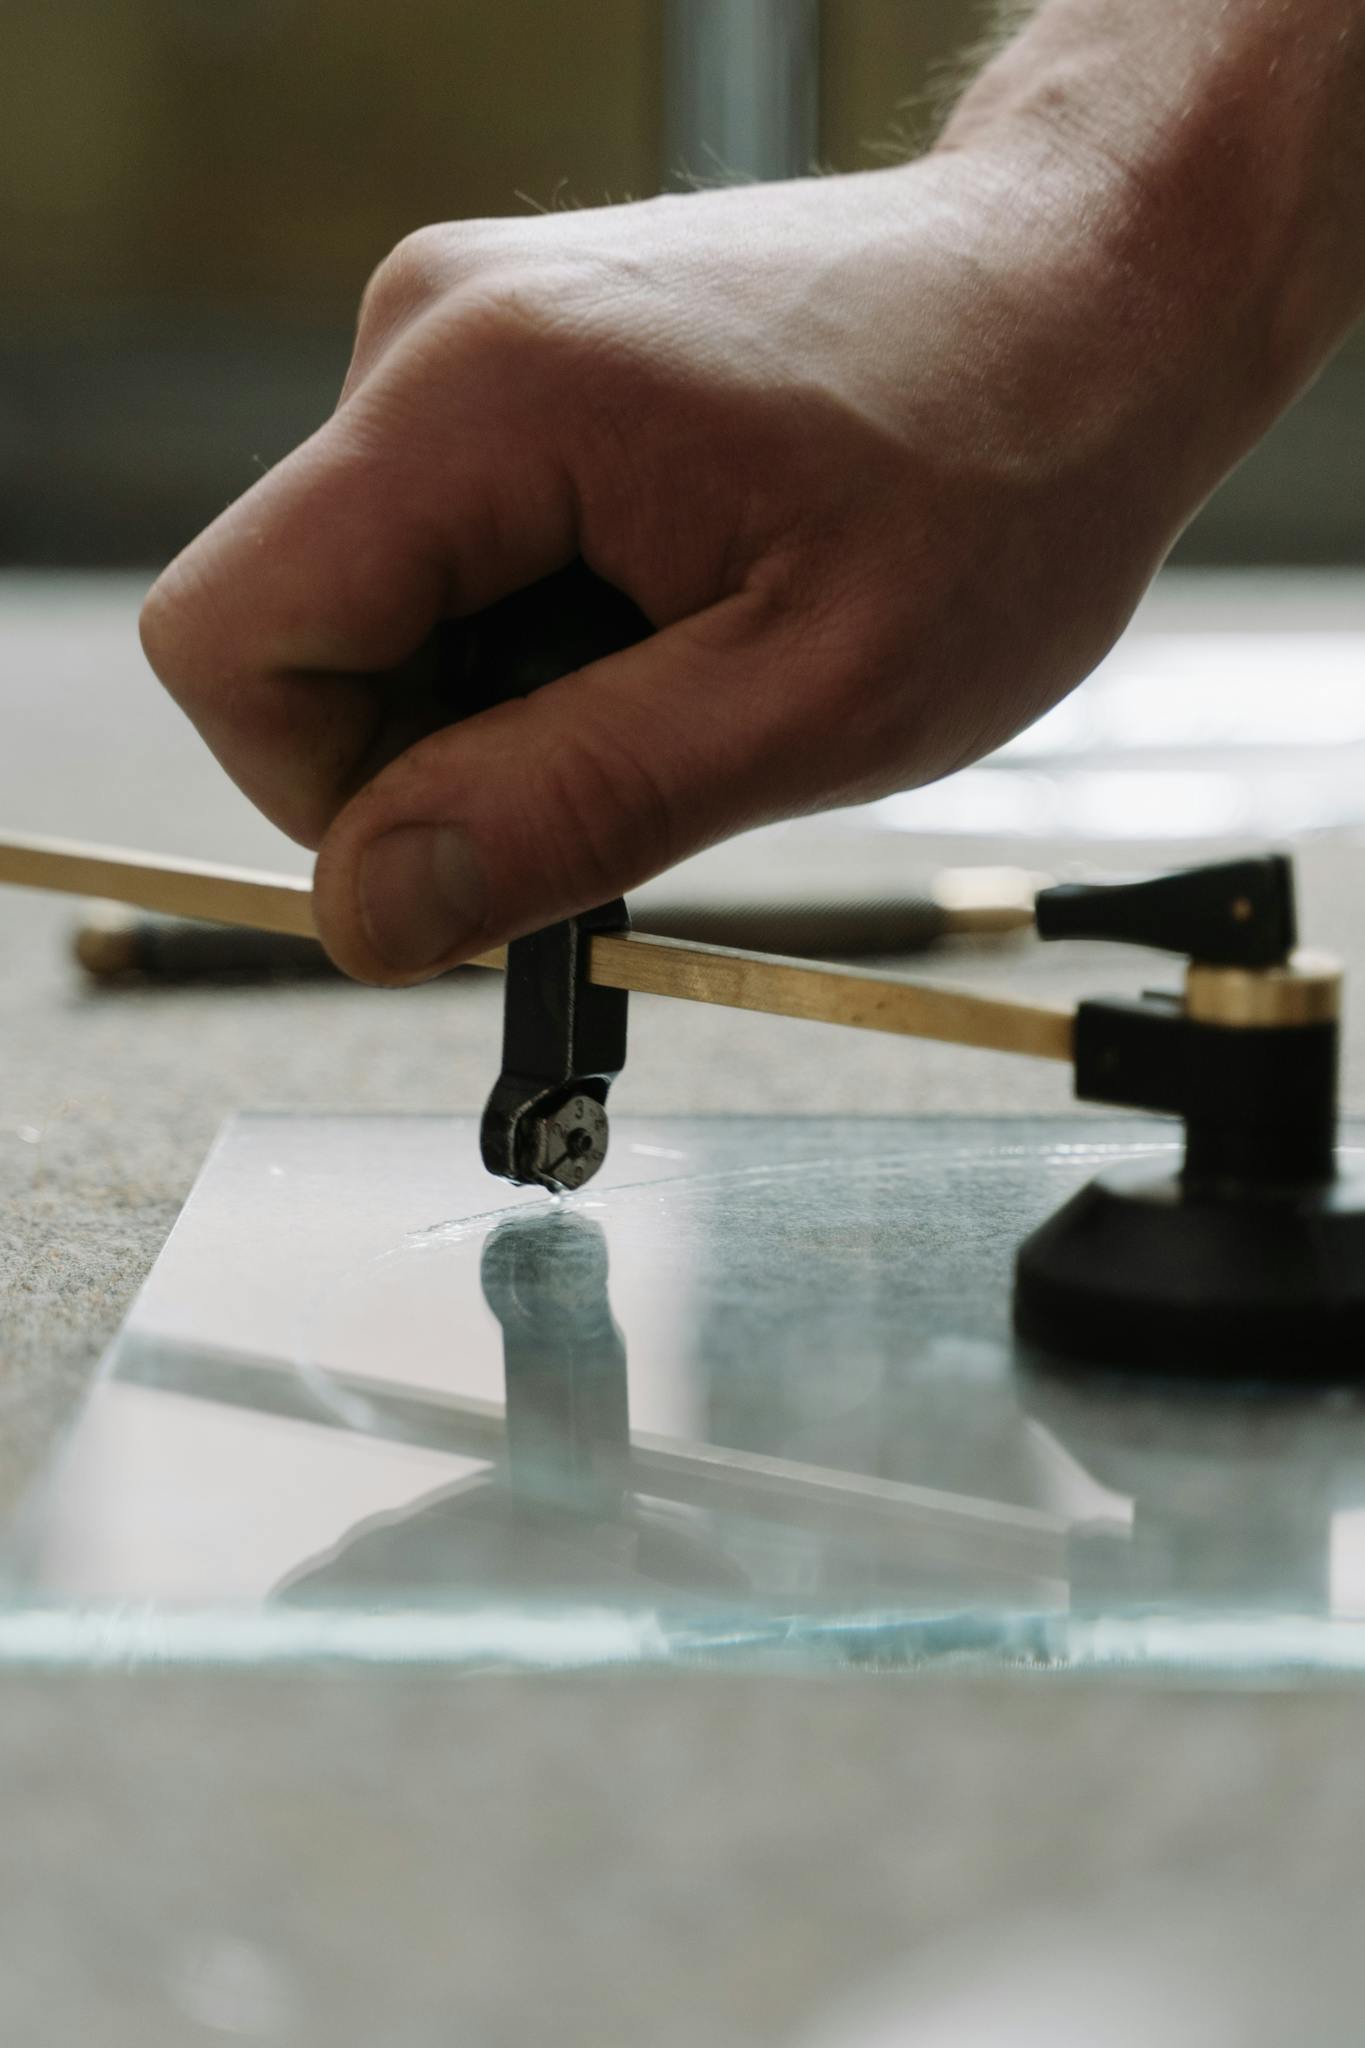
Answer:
(741, 90)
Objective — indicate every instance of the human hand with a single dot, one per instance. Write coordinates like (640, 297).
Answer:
(886, 459)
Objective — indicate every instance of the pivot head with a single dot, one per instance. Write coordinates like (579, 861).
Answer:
(563, 1044)
(561, 1148)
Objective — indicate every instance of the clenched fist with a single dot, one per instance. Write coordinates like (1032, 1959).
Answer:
(886, 459)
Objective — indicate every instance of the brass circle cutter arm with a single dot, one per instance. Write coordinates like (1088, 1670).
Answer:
(613, 958)
(865, 1000)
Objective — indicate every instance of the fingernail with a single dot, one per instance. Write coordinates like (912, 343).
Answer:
(422, 895)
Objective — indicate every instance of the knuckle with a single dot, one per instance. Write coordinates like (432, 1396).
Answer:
(159, 627)
(460, 318)
(414, 268)
(170, 627)
(415, 272)
(507, 322)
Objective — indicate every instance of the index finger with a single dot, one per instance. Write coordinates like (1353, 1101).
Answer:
(279, 631)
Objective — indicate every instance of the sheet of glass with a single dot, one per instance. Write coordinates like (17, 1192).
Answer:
(752, 1395)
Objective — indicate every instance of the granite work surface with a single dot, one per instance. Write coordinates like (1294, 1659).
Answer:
(349, 1862)
(386, 1859)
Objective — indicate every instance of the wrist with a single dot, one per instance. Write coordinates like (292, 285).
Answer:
(1209, 162)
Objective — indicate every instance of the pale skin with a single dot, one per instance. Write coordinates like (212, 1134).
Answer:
(887, 459)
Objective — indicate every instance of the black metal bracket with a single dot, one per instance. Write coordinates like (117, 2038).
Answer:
(564, 1043)
(1259, 1105)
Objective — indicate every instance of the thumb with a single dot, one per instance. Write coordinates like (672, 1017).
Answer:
(550, 804)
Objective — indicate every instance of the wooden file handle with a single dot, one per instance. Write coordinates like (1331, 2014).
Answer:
(631, 960)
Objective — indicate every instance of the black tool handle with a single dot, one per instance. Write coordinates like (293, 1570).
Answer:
(552, 628)
(1236, 913)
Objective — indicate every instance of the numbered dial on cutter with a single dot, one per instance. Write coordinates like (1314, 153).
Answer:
(565, 1148)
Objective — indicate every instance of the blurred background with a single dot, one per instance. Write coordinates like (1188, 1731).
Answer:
(193, 193)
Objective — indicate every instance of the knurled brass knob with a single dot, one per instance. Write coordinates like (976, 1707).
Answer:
(1306, 990)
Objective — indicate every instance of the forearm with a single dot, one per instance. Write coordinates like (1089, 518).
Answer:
(1219, 147)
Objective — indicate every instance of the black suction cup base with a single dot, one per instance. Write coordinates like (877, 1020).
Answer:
(1143, 1272)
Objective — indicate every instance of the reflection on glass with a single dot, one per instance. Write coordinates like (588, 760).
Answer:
(554, 1515)
(1234, 1491)
(755, 1392)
